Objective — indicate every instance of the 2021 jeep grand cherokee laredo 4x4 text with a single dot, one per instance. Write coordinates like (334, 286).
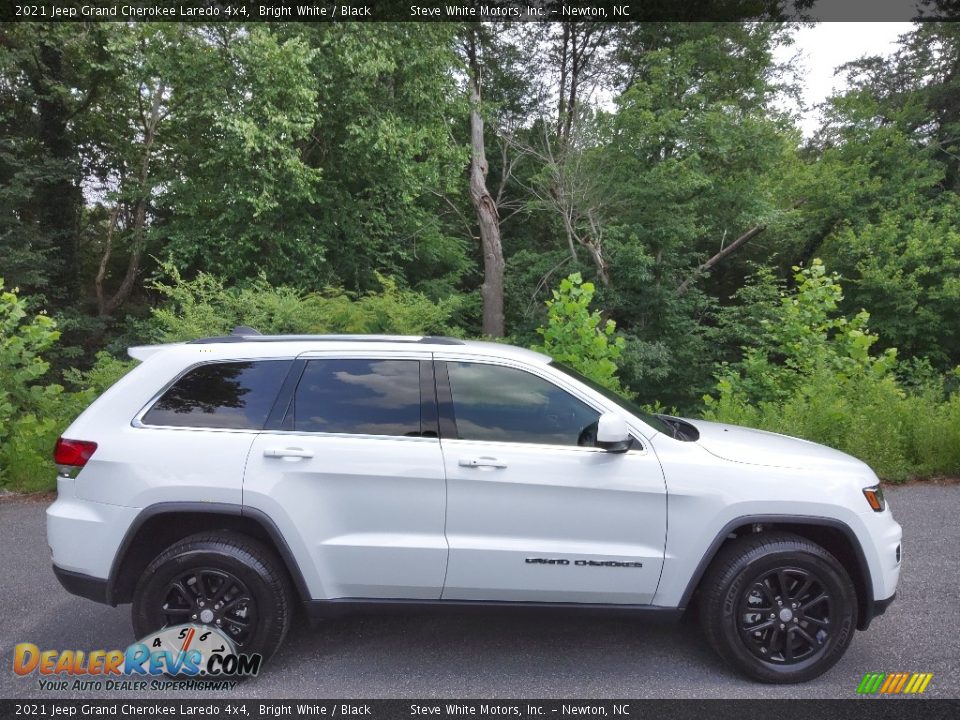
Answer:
(223, 480)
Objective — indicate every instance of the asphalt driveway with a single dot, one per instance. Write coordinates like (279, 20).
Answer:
(489, 656)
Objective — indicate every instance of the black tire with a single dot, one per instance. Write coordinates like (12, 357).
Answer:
(791, 642)
(261, 590)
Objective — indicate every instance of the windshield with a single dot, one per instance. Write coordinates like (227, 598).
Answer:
(628, 405)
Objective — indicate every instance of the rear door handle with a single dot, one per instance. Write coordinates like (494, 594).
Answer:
(287, 453)
(482, 462)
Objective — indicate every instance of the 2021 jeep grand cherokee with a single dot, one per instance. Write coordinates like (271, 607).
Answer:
(226, 479)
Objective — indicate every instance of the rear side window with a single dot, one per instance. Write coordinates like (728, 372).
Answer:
(235, 395)
(360, 397)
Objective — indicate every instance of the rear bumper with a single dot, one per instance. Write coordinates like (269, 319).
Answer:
(92, 588)
(84, 536)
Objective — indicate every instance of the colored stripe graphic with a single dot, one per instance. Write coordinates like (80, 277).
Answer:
(888, 683)
(870, 683)
(894, 683)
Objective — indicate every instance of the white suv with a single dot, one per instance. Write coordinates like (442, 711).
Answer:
(229, 480)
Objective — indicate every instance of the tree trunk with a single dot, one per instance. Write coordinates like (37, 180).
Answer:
(137, 225)
(487, 217)
(58, 197)
(727, 251)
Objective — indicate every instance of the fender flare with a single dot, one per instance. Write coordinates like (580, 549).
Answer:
(869, 606)
(205, 508)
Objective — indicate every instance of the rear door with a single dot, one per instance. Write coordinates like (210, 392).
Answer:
(534, 512)
(353, 476)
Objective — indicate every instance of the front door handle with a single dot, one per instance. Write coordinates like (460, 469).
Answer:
(482, 462)
(287, 453)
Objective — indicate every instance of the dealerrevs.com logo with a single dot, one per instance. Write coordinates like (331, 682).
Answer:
(183, 657)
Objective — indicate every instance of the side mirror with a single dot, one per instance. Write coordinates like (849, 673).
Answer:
(613, 435)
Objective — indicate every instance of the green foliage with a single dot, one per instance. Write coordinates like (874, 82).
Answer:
(578, 337)
(810, 373)
(907, 271)
(205, 306)
(310, 178)
(104, 372)
(244, 197)
(33, 410)
(805, 337)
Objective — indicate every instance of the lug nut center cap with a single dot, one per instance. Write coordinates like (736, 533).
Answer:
(786, 615)
(206, 615)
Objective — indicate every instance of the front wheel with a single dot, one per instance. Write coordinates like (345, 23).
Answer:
(778, 607)
(224, 580)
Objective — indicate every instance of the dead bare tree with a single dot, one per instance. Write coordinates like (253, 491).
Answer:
(566, 186)
(575, 195)
(488, 219)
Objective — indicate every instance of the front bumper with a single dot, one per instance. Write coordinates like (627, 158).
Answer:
(875, 609)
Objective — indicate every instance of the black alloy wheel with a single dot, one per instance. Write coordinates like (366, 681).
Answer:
(778, 607)
(210, 596)
(785, 615)
(220, 579)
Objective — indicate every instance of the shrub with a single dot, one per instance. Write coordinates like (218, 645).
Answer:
(33, 411)
(578, 337)
(206, 306)
(810, 373)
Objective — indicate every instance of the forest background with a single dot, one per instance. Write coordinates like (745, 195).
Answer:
(635, 198)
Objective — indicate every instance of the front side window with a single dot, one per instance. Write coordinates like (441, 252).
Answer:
(361, 397)
(237, 395)
(504, 404)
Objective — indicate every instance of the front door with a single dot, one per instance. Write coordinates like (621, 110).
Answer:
(534, 513)
(354, 478)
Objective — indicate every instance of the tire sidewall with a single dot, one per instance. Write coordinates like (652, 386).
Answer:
(149, 593)
(841, 633)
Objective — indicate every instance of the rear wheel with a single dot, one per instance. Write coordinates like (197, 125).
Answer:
(224, 580)
(779, 607)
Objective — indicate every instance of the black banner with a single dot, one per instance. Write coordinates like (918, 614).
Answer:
(875, 709)
(471, 10)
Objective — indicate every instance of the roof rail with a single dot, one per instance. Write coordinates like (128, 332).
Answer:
(245, 334)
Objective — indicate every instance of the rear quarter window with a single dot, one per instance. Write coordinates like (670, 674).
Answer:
(235, 395)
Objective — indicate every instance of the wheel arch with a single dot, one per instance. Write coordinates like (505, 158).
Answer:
(833, 535)
(159, 526)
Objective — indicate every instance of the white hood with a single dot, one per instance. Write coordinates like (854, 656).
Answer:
(758, 447)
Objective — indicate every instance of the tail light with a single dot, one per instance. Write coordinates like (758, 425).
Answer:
(71, 455)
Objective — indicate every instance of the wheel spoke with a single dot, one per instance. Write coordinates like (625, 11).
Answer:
(782, 580)
(206, 589)
(807, 637)
(188, 596)
(798, 595)
(760, 626)
(822, 623)
(819, 598)
(768, 593)
(239, 622)
(176, 611)
(234, 602)
(222, 590)
(788, 647)
(771, 643)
